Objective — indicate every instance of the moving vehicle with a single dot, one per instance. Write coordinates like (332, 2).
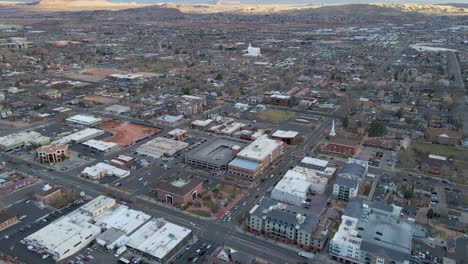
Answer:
(305, 254)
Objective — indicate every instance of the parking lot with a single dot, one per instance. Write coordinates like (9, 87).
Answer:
(11, 239)
(379, 158)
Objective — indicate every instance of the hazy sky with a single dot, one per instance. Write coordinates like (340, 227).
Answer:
(282, 1)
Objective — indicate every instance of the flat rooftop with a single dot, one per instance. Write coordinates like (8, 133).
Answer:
(260, 149)
(158, 237)
(217, 152)
(122, 218)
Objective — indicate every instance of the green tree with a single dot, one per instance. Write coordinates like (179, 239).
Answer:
(377, 129)
(187, 90)
(400, 113)
(219, 77)
(430, 214)
(408, 194)
(345, 121)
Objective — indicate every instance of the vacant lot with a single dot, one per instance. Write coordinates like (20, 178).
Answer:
(275, 116)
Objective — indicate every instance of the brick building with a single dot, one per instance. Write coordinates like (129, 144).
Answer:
(444, 136)
(49, 194)
(7, 219)
(178, 191)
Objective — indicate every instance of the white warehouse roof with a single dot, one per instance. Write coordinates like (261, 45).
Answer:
(260, 149)
(84, 119)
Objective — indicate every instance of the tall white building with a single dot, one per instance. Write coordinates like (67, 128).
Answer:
(372, 233)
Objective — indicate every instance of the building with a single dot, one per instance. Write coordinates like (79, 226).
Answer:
(80, 136)
(126, 78)
(84, 120)
(343, 143)
(101, 169)
(252, 51)
(122, 160)
(179, 191)
(322, 167)
(159, 240)
(49, 194)
(71, 232)
(202, 123)
(16, 43)
(23, 139)
(288, 224)
(444, 136)
(160, 146)
(191, 105)
(214, 155)
(372, 233)
(296, 185)
(436, 165)
(122, 218)
(117, 109)
(178, 134)
(349, 179)
(279, 99)
(170, 120)
(101, 146)
(288, 137)
(7, 219)
(257, 158)
(51, 94)
(53, 153)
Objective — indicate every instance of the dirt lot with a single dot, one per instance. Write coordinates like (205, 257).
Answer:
(126, 133)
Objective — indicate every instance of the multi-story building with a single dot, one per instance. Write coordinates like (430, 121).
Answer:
(288, 224)
(53, 153)
(372, 233)
(288, 137)
(214, 155)
(256, 158)
(349, 179)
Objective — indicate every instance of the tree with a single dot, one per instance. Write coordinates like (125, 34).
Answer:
(345, 121)
(219, 77)
(408, 194)
(377, 129)
(400, 113)
(430, 214)
(186, 90)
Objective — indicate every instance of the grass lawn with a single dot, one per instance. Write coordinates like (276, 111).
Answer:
(275, 116)
(367, 190)
(200, 213)
(442, 150)
(231, 190)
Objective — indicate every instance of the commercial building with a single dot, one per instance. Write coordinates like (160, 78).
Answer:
(202, 123)
(23, 139)
(49, 194)
(179, 191)
(256, 158)
(122, 160)
(71, 232)
(7, 219)
(288, 224)
(80, 136)
(160, 146)
(349, 179)
(322, 167)
(51, 94)
(288, 137)
(214, 155)
(127, 78)
(178, 134)
(159, 240)
(170, 120)
(252, 51)
(101, 146)
(279, 99)
(53, 153)
(296, 184)
(100, 170)
(122, 218)
(117, 109)
(372, 233)
(85, 120)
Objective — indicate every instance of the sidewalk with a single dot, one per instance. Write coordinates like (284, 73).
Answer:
(286, 246)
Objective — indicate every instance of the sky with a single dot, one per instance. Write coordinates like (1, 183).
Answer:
(280, 1)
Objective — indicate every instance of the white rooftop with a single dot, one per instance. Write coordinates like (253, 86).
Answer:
(260, 149)
(84, 119)
(285, 134)
(157, 238)
(122, 218)
(85, 133)
(315, 162)
(99, 144)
